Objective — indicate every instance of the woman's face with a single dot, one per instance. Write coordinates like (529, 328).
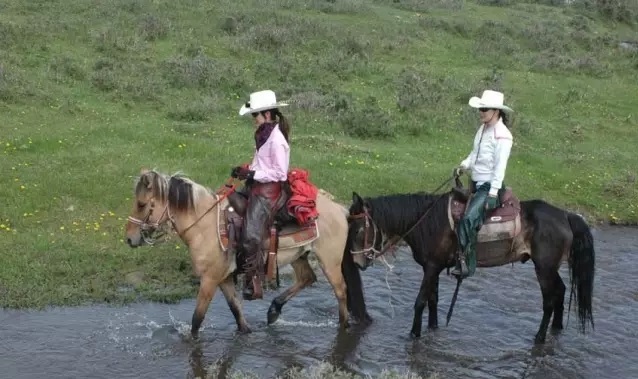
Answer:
(261, 117)
(486, 114)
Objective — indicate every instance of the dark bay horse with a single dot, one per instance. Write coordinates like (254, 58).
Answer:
(548, 235)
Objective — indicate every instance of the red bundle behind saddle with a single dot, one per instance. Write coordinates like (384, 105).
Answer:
(302, 203)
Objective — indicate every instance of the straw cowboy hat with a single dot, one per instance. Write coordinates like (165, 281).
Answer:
(490, 99)
(261, 101)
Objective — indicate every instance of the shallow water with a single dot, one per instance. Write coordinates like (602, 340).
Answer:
(490, 335)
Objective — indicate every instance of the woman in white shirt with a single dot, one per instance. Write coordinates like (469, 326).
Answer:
(487, 163)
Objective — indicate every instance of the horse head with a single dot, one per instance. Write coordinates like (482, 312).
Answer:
(162, 202)
(149, 212)
(364, 237)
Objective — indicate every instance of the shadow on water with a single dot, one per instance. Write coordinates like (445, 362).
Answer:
(490, 335)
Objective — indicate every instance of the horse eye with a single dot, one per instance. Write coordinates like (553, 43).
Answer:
(140, 205)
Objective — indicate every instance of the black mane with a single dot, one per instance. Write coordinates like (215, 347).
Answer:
(180, 194)
(396, 214)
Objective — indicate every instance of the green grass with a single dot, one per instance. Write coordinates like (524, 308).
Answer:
(90, 93)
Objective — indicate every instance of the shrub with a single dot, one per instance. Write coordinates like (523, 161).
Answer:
(153, 28)
(616, 10)
(367, 121)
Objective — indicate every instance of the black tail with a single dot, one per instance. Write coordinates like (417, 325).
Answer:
(582, 264)
(354, 287)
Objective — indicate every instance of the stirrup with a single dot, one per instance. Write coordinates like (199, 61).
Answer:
(461, 270)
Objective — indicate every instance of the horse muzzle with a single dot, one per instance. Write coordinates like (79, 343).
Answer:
(135, 242)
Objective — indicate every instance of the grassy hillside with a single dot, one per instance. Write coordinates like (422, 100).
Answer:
(92, 91)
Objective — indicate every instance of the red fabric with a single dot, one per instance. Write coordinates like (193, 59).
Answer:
(302, 203)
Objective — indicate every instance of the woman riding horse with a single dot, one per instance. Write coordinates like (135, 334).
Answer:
(487, 163)
(264, 180)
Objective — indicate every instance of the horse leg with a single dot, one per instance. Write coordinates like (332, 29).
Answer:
(546, 281)
(429, 273)
(335, 277)
(228, 289)
(304, 276)
(433, 303)
(559, 301)
(207, 288)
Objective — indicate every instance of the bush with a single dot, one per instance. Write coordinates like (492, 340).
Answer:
(153, 28)
(368, 121)
(194, 111)
(617, 10)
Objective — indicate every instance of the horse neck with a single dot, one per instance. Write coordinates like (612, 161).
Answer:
(198, 225)
(400, 216)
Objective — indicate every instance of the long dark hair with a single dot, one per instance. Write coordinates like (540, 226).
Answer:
(284, 124)
(505, 117)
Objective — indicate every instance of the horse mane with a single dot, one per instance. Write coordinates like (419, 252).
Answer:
(157, 181)
(395, 214)
(181, 192)
(184, 193)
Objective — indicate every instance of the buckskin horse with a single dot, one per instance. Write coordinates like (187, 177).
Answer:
(204, 220)
(516, 232)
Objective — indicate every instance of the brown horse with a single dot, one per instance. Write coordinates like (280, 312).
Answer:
(537, 230)
(195, 213)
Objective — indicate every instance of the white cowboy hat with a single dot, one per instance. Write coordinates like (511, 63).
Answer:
(490, 99)
(261, 101)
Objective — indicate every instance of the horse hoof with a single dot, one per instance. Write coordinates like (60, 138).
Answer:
(367, 319)
(539, 340)
(433, 327)
(273, 316)
(244, 329)
(274, 311)
(195, 335)
(415, 335)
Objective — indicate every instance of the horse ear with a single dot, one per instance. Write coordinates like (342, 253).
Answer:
(356, 199)
(144, 170)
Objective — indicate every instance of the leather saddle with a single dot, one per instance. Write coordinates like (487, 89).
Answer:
(502, 223)
(285, 233)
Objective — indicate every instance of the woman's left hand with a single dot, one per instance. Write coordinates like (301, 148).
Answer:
(244, 173)
(491, 203)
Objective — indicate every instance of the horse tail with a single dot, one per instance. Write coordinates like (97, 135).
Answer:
(354, 287)
(582, 266)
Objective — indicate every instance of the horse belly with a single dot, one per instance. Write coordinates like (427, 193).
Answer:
(495, 253)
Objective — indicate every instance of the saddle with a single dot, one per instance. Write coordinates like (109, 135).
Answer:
(285, 233)
(497, 235)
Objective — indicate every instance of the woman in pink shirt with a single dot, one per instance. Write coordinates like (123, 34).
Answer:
(264, 179)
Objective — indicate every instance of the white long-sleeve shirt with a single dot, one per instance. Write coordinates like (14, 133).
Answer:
(489, 156)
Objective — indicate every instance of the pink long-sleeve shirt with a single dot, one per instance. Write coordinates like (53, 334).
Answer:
(271, 161)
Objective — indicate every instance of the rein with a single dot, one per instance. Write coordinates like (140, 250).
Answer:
(228, 189)
(394, 240)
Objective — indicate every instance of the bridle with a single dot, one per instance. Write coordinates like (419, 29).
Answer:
(370, 252)
(153, 231)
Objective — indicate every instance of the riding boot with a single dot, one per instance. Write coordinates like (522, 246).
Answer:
(468, 229)
(256, 227)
